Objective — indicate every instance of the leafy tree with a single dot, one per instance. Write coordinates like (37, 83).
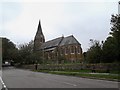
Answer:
(108, 51)
(115, 33)
(93, 55)
(111, 49)
(25, 52)
(84, 57)
(9, 50)
(27, 55)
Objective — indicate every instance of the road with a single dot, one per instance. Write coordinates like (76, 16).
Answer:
(18, 78)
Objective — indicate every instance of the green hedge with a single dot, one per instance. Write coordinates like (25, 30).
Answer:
(101, 68)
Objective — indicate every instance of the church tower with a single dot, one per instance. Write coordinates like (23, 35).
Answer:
(39, 38)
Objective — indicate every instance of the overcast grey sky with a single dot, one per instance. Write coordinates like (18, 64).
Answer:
(84, 19)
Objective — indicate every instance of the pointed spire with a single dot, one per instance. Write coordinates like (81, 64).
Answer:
(39, 37)
(39, 30)
(39, 33)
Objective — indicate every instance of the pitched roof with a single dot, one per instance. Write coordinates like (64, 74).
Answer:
(69, 40)
(59, 42)
(51, 43)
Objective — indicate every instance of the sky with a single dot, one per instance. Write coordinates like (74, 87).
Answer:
(85, 19)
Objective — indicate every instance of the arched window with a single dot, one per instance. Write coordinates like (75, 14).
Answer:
(72, 49)
(62, 50)
(66, 50)
(78, 49)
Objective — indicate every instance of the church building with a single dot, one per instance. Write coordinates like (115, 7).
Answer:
(59, 50)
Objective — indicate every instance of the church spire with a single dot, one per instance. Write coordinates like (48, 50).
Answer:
(39, 37)
(39, 29)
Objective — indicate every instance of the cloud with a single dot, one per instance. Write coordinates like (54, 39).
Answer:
(10, 11)
(83, 20)
(119, 8)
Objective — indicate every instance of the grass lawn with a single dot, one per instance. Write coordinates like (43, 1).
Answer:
(84, 73)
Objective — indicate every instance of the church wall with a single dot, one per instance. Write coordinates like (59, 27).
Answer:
(66, 53)
(50, 56)
(71, 52)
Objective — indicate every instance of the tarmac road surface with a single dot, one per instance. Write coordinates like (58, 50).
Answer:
(18, 78)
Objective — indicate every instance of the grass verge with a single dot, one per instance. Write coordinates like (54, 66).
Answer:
(85, 74)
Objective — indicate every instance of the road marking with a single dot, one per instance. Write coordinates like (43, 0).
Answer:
(64, 82)
(70, 84)
(3, 84)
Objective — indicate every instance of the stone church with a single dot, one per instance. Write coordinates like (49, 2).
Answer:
(61, 49)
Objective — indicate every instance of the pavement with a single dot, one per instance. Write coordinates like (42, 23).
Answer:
(0, 79)
(18, 78)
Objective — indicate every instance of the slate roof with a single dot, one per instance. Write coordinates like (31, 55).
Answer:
(61, 41)
(69, 40)
(51, 43)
